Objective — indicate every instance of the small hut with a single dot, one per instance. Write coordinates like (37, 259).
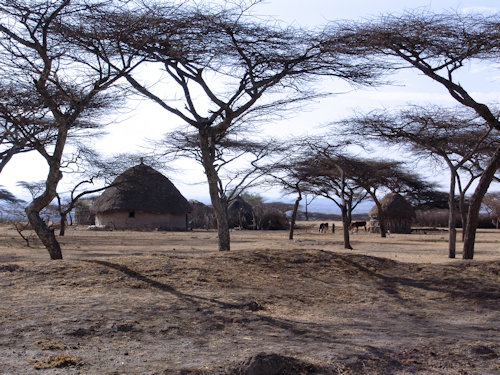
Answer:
(83, 216)
(240, 214)
(268, 217)
(201, 216)
(398, 214)
(142, 198)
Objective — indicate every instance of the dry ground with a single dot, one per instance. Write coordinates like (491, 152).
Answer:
(169, 303)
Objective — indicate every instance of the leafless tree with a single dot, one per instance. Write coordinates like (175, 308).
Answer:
(308, 199)
(239, 161)
(438, 45)
(292, 182)
(292, 174)
(239, 70)
(23, 122)
(457, 137)
(328, 176)
(67, 84)
(375, 176)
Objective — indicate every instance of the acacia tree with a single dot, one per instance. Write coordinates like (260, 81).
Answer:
(376, 175)
(329, 176)
(438, 45)
(7, 196)
(473, 170)
(240, 162)
(238, 69)
(67, 84)
(11, 205)
(454, 136)
(23, 122)
(292, 174)
(7, 199)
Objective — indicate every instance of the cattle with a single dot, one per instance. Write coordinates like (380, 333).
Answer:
(356, 225)
(323, 227)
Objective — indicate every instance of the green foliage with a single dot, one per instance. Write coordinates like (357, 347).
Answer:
(252, 199)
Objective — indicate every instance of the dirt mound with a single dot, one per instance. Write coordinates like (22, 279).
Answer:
(275, 364)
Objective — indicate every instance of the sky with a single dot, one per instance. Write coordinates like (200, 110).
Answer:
(126, 133)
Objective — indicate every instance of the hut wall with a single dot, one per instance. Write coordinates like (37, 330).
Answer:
(141, 220)
(398, 225)
(83, 216)
(402, 226)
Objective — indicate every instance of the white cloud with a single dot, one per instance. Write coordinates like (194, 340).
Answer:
(480, 9)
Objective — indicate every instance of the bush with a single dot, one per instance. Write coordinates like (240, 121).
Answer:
(439, 218)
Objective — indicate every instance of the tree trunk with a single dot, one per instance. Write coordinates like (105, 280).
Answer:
(380, 216)
(218, 202)
(463, 214)
(452, 230)
(475, 205)
(345, 226)
(33, 210)
(306, 212)
(346, 218)
(349, 213)
(294, 216)
(43, 232)
(62, 223)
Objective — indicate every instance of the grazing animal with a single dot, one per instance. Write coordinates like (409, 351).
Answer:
(323, 227)
(356, 225)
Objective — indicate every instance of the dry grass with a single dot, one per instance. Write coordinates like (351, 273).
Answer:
(54, 361)
(169, 303)
(80, 243)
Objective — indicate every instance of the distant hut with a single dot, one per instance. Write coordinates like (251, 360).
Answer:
(142, 198)
(267, 217)
(398, 214)
(240, 214)
(201, 216)
(83, 216)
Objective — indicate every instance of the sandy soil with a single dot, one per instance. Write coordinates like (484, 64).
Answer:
(169, 303)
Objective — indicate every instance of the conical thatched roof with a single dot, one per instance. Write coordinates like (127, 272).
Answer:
(239, 205)
(394, 206)
(240, 213)
(141, 188)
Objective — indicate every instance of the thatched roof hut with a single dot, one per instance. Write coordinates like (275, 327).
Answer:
(240, 214)
(201, 216)
(142, 198)
(397, 211)
(268, 217)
